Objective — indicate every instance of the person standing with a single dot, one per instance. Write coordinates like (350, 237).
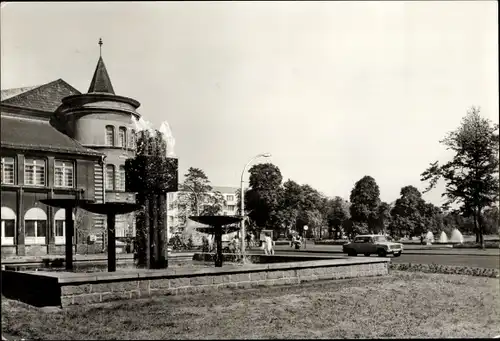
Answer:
(268, 245)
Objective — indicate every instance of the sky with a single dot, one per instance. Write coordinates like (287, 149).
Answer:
(333, 90)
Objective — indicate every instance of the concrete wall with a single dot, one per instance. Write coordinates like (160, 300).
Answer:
(102, 292)
(101, 287)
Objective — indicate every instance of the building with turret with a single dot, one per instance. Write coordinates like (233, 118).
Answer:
(57, 142)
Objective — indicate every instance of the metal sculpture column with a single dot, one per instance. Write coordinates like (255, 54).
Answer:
(151, 174)
(111, 209)
(68, 205)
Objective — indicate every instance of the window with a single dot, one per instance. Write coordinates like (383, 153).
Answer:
(8, 170)
(60, 226)
(35, 224)
(110, 136)
(122, 137)
(8, 226)
(63, 174)
(120, 179)
(132, 139)
(230, 198)
(110, 177)
(34, 172)
(121, 227)
(231, 208)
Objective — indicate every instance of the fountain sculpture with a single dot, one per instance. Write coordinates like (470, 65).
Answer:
(111, 209)
(217, 223)
(68, 205)
(456, 236)
(443, 238)
(151, 175)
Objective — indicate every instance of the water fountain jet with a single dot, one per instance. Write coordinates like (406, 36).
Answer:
(456, 236)
(429, 238)
(443, 238)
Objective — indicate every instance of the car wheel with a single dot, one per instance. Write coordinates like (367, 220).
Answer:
(367, 254)
(397, 254)
(381, 253)
(352, 253)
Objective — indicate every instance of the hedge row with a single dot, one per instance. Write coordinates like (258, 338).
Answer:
(474, 245)
(446, 269)
(331, 242)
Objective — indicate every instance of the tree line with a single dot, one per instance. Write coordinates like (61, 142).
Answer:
(471, 179)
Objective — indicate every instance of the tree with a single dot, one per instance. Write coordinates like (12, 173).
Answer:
(365, 199)
(292, 196)
(407, 213)
(432, 217)
(263, 199)
(491, 222)
(310, 213)
(197, 188)
(214, 204)
(383, 216)
(338, 212)
(471, 176)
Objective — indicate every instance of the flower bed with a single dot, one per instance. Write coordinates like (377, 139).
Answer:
(445, 269)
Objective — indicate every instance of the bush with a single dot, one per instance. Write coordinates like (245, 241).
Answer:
(474, 245)
(331, 242)
(446, 269)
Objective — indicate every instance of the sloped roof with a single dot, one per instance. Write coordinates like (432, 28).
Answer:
(224, 189)
(24, 133)
(46, 97)
(101, 81)
(8, 93)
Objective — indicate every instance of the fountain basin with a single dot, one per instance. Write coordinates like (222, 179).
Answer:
(66, 288)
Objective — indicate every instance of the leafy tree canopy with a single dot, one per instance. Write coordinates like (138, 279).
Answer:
(263, 199)
(365, 199)
(471, 176)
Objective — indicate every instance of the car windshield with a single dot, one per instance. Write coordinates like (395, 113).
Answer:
(380, 239)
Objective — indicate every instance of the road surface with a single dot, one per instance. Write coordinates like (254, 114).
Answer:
(481, 260)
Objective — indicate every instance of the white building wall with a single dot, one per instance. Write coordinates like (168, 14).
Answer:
(173, 219)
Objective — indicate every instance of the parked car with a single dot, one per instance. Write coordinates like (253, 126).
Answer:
(372, 244)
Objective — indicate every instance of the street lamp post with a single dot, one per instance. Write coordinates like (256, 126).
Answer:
(242, 204)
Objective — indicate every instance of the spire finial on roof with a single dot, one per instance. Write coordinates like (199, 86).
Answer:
(100, 47)
(101, 82)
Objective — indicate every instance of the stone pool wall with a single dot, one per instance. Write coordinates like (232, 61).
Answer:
(83, 288)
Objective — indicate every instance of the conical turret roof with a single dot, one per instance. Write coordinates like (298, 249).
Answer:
(101, 82)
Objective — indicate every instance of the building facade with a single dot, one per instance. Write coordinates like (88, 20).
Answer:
(176, 214)
(59, 143)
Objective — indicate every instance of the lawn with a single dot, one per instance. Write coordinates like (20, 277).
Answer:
(403, 304)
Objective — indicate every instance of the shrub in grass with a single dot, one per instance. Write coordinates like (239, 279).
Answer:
(445, 269)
